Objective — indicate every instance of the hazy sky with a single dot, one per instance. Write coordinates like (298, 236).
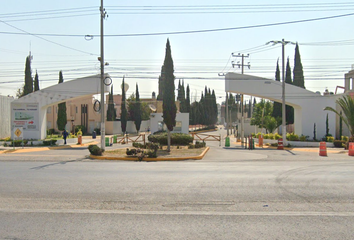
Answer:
(54, 32)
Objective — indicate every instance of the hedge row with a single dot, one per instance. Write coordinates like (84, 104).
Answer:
(181, 139)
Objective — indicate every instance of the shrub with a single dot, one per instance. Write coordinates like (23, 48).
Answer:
(191, 146)
(271, 136)
(200, 144)
(277, 136)
(303, 138)
(50, 131)
(138, 145)
(151, 154)
(78, 127)
(176, 139)
(292, 137)
(95, 150)
(330, 139)
(266, 136)
(258, 134)
(339, 143)
(17, 143)
(345, 138)
(49, 142)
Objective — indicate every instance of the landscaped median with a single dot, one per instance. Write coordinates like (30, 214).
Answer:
(162, 155)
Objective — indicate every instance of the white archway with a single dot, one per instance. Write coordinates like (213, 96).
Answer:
(29, 111)
(308, 105)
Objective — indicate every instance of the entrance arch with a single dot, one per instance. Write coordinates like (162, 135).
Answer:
(308, 106)
(29, 111)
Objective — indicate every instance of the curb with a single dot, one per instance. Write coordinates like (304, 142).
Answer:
(152, 159)
(39, 149)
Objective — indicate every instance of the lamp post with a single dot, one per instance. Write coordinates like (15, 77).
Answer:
(283, 43)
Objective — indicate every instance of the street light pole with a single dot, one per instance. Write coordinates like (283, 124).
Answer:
(103, 14)
(283, 43)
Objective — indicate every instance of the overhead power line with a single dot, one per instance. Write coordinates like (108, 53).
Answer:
(183, 32)
(44, 39)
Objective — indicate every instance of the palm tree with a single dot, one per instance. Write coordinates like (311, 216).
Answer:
(347, 105)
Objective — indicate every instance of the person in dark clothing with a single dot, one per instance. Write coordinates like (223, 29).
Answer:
(65, 134)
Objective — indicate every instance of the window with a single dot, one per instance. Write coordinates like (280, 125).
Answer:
(49, 110)
(76, 110)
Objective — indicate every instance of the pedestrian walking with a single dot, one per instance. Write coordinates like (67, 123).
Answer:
(65, 134)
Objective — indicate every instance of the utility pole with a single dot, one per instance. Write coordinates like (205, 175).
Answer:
(103, 15)
(242, 65)
(283, 115)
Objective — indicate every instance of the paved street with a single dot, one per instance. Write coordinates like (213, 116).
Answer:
(230, 194)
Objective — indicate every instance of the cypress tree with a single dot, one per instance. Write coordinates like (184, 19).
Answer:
(299, 79)
(124, 113)
(215, 108)
(111, 111)
(168, 104)
(62, 118)
(137, 110)
(28, 88)
(36, 82)
(289, 110)
(188, 100)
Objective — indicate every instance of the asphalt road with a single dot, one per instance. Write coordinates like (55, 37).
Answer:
(230, 194)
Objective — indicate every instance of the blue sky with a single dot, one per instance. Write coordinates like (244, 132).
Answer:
(197, 55)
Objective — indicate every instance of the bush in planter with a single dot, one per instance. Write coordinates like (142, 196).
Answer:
(339, 143)
(303, 138)
(330, 139)
(200, 144)
(345, 138)
(95, 150)
(266, 136)
(277, 136)
(292, 137)
(49, 142)
(176, 139)
(270, 136)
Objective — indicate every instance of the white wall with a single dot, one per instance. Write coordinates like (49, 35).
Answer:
(155, 118)
(5, 119)
(114, 127)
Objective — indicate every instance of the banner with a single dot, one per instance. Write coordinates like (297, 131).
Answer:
(25, 115)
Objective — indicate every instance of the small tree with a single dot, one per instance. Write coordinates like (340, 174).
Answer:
(36, 82)
(137, 113)
(62, 118)
(168, 104)
(28, 88)
(124, 114)
(327, 128)
(340, 126)
(111, 111)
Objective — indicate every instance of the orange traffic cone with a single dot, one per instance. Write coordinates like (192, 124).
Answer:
(351, 149)
(323, 149)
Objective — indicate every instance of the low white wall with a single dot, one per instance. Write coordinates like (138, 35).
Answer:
(5, 119)
(297, 143)
(114, 127)
(156, 119)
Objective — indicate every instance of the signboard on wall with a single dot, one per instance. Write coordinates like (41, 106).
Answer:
(26, 116)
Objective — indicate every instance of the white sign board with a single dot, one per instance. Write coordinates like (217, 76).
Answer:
(25, 115)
